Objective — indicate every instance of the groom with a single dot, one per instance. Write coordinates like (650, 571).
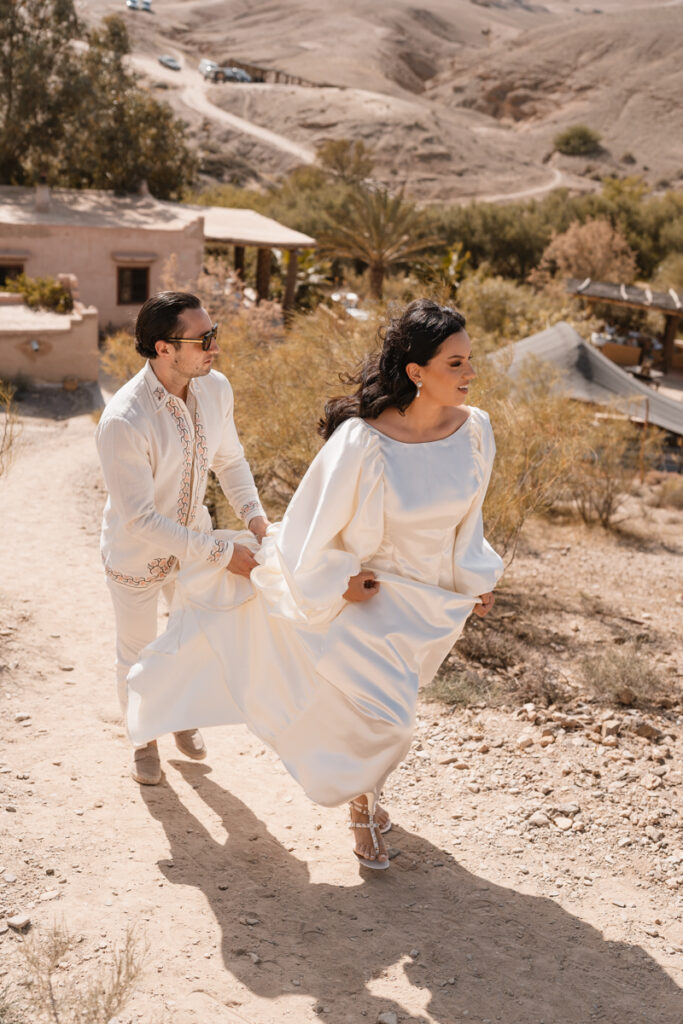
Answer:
(157, 439)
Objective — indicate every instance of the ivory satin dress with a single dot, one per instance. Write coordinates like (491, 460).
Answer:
(330, 685)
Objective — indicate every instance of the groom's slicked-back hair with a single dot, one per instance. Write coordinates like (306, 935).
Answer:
(158, 319)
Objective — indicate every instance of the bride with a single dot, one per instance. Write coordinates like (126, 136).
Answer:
(360, 591)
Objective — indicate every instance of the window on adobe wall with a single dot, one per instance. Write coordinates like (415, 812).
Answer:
(8, 271)
(133, 285)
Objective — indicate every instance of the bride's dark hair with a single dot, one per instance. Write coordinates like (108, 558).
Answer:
(381, 380)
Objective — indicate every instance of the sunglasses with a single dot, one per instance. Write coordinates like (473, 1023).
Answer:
(205, 341)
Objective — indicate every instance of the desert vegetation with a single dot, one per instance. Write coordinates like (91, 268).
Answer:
(41, 293)
(76, 116)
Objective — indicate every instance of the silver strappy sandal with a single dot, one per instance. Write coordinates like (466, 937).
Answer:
(375, 865)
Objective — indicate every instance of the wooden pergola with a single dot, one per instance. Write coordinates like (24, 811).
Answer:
(239, 228)
(670, 304)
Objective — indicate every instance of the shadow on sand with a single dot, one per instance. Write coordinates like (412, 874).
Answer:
(486, 953)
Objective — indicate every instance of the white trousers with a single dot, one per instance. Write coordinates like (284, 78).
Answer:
(136, 615)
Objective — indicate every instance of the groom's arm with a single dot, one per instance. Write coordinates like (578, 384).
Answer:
(234, 475)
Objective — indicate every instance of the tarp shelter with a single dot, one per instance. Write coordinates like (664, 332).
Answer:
(589, 376)
(670, 304)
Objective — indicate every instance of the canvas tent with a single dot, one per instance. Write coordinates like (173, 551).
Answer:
(589, 376)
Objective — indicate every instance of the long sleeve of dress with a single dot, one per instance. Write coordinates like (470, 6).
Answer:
(233, 472)
(130, 482)
(333, 524)
(477, 567)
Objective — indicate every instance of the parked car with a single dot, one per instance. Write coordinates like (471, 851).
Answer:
(170, 62)
(139, 5)
(215, 73)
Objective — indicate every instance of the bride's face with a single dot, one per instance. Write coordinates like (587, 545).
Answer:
(448, 374)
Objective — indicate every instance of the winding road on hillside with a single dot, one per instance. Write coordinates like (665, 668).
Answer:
(193, 93)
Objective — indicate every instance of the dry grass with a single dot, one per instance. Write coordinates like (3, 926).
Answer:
(57, 997)
(8, 425)
(624, 667)
(669, 494)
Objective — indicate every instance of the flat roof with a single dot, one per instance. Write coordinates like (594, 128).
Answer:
(93, 208)
(247, 227)
(22, 318)
(102, 208)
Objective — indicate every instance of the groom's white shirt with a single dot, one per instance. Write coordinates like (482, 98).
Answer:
(156, 452)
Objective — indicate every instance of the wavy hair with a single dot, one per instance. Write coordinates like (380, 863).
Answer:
(381, 381)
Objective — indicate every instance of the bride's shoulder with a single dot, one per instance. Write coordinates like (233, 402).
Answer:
(354, 435)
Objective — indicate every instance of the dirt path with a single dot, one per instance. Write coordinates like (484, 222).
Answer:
(252, 906)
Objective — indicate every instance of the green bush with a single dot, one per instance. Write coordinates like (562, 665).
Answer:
(577, 140)
(41, 293)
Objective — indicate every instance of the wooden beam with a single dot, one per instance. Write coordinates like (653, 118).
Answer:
(263, 273)
(669, 340)
(239, 261)
(290, 285)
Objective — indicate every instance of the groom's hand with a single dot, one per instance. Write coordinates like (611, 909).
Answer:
(258, 526)
(242, 561)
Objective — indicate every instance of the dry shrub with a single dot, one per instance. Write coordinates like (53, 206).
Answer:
(594, 249)
(670, 492)
(608, 454)
(8, 429)
(536, 428)
(458, 686)
(9, 1007)
(119, 358)
(59, 998)
(623, 667)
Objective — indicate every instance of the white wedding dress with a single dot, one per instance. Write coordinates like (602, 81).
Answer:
(330, 685)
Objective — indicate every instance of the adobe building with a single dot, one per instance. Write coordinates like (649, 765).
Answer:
(39, 345)
(117, 246)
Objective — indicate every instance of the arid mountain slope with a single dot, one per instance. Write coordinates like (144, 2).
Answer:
(458, 97)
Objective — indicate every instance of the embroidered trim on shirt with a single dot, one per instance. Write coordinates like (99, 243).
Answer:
(158, 569)
(183, 503)
(159, 393)
(218, 549)
(251, 506)
(202, 467)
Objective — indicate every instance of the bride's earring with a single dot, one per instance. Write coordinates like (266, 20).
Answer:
(418, 385)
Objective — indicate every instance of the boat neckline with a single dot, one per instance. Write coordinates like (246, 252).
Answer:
(416, 444)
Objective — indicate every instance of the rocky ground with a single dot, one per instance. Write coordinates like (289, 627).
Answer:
(537, 850)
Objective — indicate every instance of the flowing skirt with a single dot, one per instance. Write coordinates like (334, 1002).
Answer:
(336, 701)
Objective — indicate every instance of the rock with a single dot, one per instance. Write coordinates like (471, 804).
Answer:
(387, 1017)
(414, 954)
(539, 819)
(650, 781)
(9, 878)
(625, 695)
(642, 728)
(456, 761)
(568, 810)
(610, 727)
(250, 919)
(564, 824)
(655, 834)
(473, 787)
(525, 741)
(51, 894)
(547, 740)
(22, 716)
(610, 741)
(578, 826)
(11, 808)
(19, 922)
(483, 749)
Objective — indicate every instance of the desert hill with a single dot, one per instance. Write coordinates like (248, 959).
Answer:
(459, 97)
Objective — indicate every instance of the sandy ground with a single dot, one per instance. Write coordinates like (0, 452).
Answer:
(530, 884)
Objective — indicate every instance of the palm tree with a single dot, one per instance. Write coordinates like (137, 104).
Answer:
(379, 229)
